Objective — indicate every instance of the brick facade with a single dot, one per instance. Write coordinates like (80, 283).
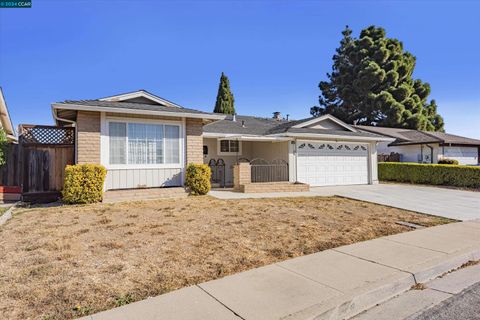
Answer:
(242, 182)
(266, 187)
(88, 137)
(242, 175)
(194, 130)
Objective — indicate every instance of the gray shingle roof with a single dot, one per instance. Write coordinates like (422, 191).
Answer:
(268, 126)
(132, 106)
(252, 125)
(453, 139)
(409, 136)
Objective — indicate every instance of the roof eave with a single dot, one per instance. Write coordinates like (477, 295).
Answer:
(77, 107)
(247, 137)
(335, 136)
(410, 143)
(140, 93)
(474, 144)
(5, 115)
(321, 118)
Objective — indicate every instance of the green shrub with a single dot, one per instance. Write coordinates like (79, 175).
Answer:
(197, 178)
(434, 174)
(448, 161)
(3, 147)
(83, 183)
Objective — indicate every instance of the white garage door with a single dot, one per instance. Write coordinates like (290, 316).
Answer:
(464, 155)
(327, 163)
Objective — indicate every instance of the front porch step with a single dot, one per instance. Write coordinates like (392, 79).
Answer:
(269, 187)
(143, 194)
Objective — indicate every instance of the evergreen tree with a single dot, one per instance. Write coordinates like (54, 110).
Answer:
(371, 84)
(225, 101)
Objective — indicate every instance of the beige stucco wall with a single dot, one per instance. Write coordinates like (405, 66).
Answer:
(230, 160)
(88, 137)
(250, 150)
(270, 150)
(326, 124)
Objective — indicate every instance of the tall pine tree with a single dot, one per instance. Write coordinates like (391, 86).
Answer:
(371, 84)
(225, 101)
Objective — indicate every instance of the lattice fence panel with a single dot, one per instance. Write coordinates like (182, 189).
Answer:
(49, 135)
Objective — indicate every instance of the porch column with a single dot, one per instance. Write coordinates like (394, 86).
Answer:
(373, 163)
(242, 175)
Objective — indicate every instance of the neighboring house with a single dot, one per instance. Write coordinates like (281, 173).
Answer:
(318, 151)
(427, 147)
(5, 120)
(146, 141)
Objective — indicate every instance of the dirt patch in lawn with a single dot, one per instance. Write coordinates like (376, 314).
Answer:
(65, 262)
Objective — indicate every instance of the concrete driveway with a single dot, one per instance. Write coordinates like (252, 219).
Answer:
(450, 203)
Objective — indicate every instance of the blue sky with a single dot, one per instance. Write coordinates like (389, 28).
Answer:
(274, 52)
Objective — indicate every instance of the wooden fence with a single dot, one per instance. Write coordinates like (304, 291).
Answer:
(392, 157)
(37, 163)
(10, 171)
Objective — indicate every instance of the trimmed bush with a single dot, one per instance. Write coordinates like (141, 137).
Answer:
(83, 183)
(448, 161)
(434, 174)
(197, 178)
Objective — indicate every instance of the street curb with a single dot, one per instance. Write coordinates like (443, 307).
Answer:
(352, 305)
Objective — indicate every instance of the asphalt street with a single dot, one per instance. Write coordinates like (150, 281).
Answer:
(464, 306)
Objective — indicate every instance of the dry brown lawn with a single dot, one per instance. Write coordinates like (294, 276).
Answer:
(65, 262)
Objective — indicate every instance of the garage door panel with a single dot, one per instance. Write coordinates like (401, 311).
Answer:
(464, 155)
(320, 164)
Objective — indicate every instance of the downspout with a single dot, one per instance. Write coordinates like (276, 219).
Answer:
(295, 152)
(74, 124)
(431, 153)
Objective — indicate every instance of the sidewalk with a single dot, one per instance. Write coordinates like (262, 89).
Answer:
(332, 284)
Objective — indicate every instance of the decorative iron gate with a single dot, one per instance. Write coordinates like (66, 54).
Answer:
(218, 171)
(269, 171)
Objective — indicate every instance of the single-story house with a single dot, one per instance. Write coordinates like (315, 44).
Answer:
(146, 141)
(5, 120)
(427, 147)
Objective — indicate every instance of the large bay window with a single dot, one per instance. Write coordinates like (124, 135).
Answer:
(143, 144)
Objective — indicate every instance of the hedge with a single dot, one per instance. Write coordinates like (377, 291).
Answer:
(434, 174)
(197, 178)
(448, 161)
(83, 183)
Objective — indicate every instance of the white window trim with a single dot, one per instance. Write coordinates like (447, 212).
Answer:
(220, 153)
(105, 143)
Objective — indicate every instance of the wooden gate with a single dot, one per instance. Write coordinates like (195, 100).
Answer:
(39, 160)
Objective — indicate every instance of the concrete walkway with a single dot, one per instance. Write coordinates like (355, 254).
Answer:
(332, 284)
(449, 203)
